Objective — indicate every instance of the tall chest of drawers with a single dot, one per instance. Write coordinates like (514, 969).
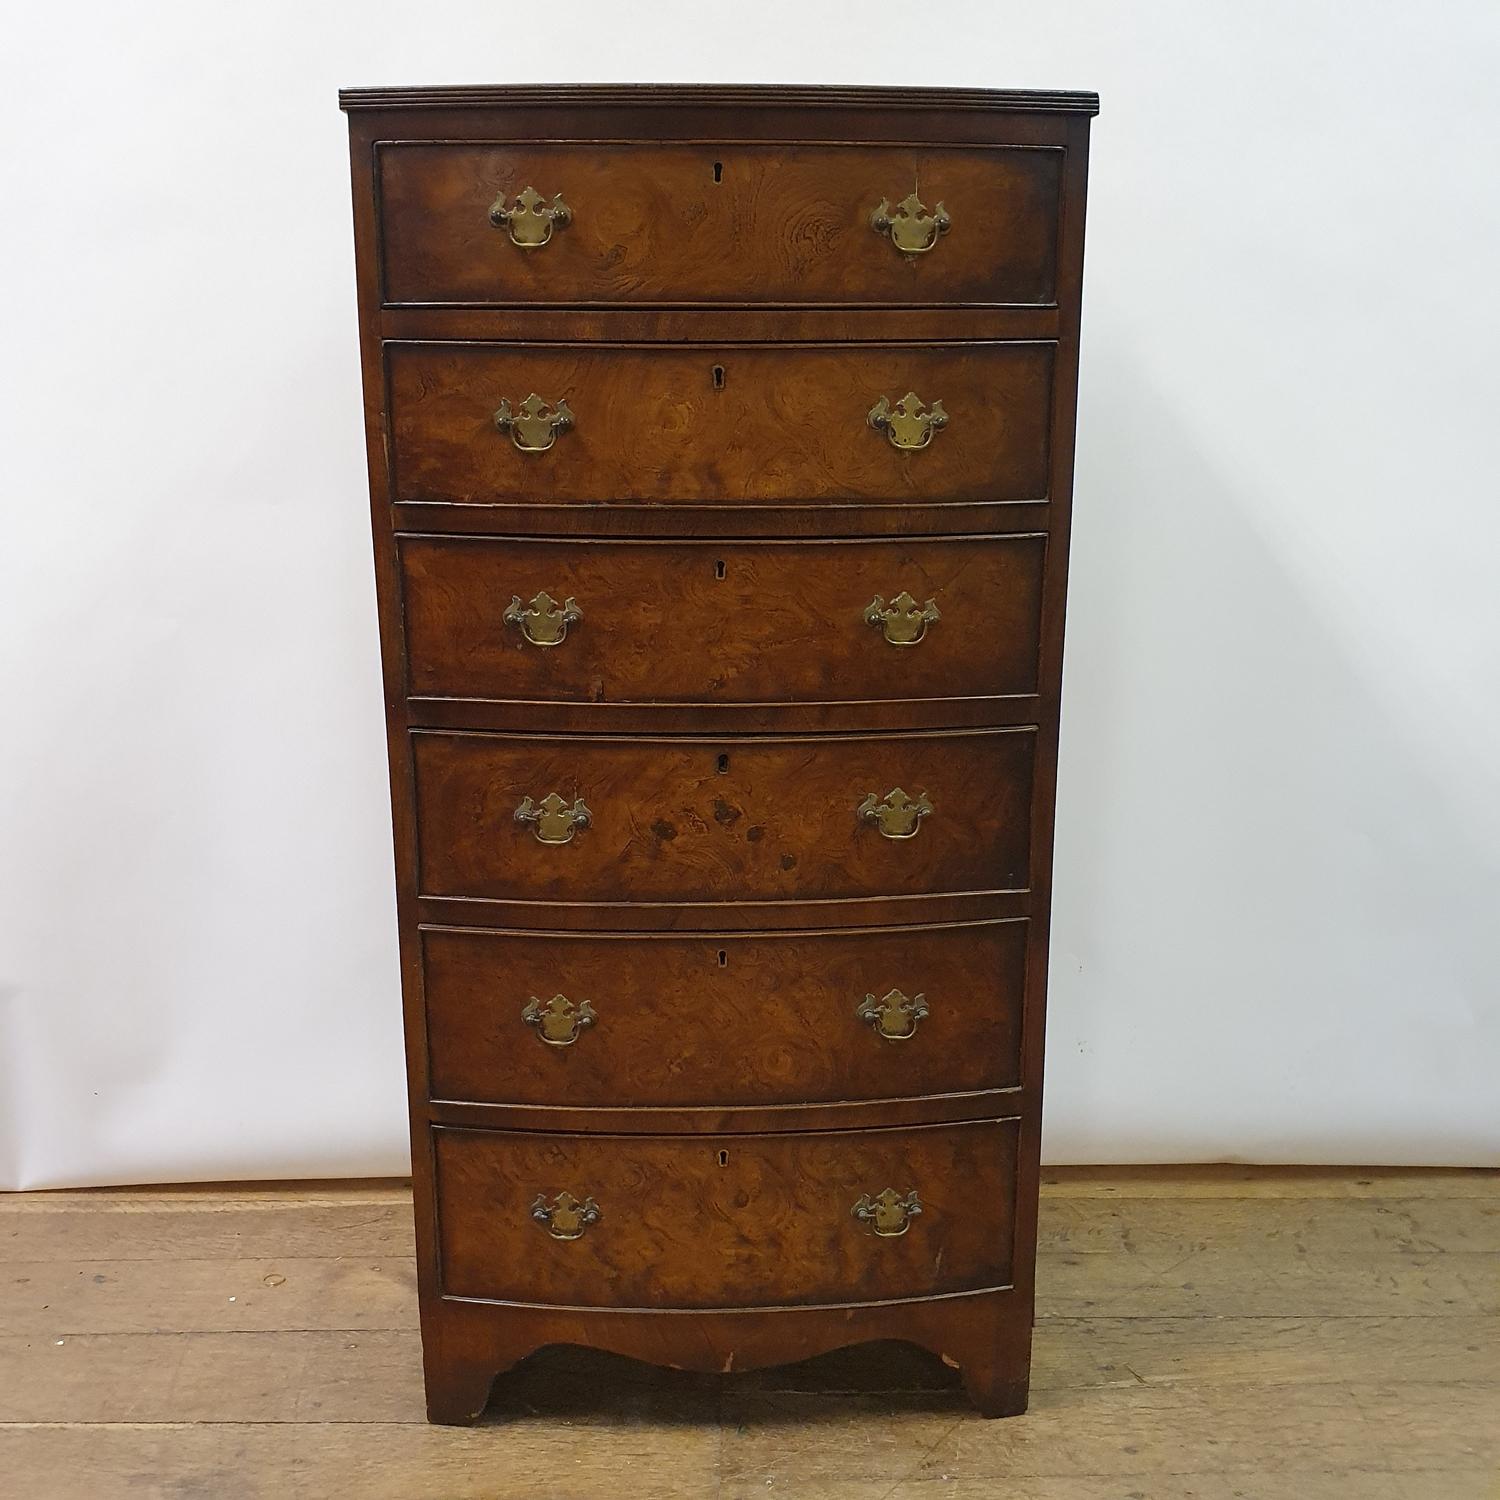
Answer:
(720, 450)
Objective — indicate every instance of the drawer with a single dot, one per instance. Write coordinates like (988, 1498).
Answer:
(725, 1221)
(717, 1020)
(716, 223)
(711, 622)
(732, 423)
(597, 819)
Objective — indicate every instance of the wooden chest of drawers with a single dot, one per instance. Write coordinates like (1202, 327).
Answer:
(720, 448)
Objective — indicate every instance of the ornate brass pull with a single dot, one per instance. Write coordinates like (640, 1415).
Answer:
(897, 815)
(558, 1022)
(912, 229)
(888, 1213)
(535, 426)
(531, 219)
(893, 1015)
(908, 424)
(543, 622)
(565, 1218)
(905, 620)
(552, 820)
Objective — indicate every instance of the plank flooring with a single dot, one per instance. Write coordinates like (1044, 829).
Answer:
(1203, 1334)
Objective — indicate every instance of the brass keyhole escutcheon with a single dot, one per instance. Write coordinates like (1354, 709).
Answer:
(552, 819)
(912, 230)
(903, 620)
(565, 1218)
(888, 1213)
(558, 1022)
(893, 1015)
(531, 218)
(896, 815)
(536, 424)
(544, 622)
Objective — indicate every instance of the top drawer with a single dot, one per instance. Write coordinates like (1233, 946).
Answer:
(717, 223)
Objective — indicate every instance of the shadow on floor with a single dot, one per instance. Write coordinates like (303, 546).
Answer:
(565, 1381)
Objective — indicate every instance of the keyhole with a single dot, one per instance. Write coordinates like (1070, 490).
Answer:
(719, 568)
(723, 1158)
(723, 959)
(718, 377)
(718, 171)
(723, 764)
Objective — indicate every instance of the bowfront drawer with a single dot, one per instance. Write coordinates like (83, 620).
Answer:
(596, 1021)
(576, 424)
(725, 1221)
(591, 819)
(601, 622)
(586, 223)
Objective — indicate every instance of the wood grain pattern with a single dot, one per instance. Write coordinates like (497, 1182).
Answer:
(734, 415)
(731, 819)
(746, 103)
(716, 221)
(715, 623)
(725, 1221)
(1377, 1398)
(788, 424)
(723, 1019)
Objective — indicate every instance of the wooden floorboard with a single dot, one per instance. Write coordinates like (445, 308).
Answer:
(1203, 1334)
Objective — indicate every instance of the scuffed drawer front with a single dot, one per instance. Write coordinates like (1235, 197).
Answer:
(715, 622)
(608, 1021)
(717, 224)
(576, 424)
(726, 1221)
(527, 818)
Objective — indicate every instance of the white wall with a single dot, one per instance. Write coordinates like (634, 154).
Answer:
(1279, 834)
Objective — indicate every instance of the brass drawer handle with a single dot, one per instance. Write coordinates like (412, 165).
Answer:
(912, 229)
(543, 622)
(897, 815)
(552, 820)
(893, 1015)
(908, 424)
(905, 621)
(565, 1218)
(888, 1214)
(536, 424)
(531, 219)
(559, 1022)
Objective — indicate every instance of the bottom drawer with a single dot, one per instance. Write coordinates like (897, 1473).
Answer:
(728, 1221)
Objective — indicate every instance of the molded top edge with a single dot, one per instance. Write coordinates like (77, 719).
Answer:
(457, 96)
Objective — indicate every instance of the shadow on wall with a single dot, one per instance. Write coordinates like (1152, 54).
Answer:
(1274, 914)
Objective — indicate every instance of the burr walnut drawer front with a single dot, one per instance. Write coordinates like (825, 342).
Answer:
(599, 1021)
(711, 622)
(725, 1221)
(552, 222)
(750, 424)
(604, 819)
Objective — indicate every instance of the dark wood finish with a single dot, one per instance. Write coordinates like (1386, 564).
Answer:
(744, 101)
(789, 422)
(724, 1019)
(780, 454)
(741, 1119)
(731, 819)
(725, 1221)
(716, 221)
(702, 624)
(986, 1335)
(745, 322)
(923, 907)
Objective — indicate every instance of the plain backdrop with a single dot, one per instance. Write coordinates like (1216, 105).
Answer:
(1278, 863)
